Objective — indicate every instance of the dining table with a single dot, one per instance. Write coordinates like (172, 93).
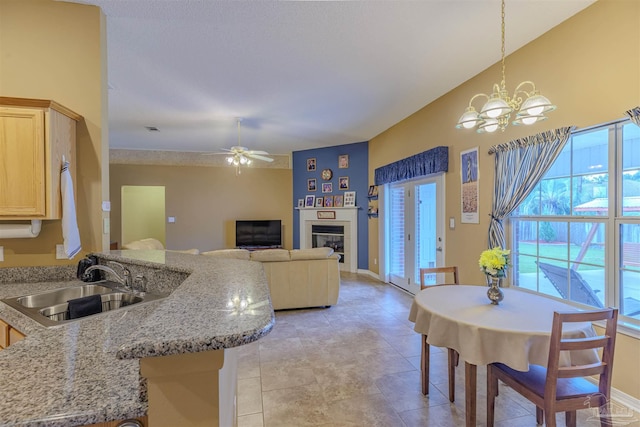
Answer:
(515, 332)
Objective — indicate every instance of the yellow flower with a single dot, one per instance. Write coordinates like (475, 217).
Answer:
(494, 262)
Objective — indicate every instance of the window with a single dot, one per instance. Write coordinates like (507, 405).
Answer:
(577, 235)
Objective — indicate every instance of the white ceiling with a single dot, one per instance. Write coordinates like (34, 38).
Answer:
(302, 74)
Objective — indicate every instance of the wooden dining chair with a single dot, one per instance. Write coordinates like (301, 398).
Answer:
(452, 355)
(558, 388)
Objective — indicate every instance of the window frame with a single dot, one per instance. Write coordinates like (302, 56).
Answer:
(612, 223)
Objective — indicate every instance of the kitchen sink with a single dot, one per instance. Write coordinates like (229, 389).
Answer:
(63, 295)
(51, 308)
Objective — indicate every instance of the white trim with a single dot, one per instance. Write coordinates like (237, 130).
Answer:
(621, 397)
(368, 273)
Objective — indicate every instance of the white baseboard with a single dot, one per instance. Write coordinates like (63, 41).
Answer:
(368, 273)
(622, 398)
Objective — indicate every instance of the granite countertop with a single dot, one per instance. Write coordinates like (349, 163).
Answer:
(87, 371)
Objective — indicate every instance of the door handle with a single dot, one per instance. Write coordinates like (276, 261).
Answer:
(439, 249)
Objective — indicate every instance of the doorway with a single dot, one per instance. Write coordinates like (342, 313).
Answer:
(142, 213)
(414, 230)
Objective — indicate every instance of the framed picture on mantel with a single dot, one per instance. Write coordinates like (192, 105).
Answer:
(349, 199)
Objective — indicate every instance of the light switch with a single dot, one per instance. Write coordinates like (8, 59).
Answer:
(106, 226)
(60, 252)
(106, 206)
(171, 219)
(452, 223)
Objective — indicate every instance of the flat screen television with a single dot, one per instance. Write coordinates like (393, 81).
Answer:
(259, 234)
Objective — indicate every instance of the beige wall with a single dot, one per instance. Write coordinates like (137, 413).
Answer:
(589, 66)
(55, 50)
(206, 201)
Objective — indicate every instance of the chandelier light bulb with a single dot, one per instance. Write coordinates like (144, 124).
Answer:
(529, 120)
(469, 119)
(489, 125)
(495, 107)
(537, 104)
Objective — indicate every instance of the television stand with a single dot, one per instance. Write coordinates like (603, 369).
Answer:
(259, 248)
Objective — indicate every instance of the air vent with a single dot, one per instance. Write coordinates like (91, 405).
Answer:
(152, 129)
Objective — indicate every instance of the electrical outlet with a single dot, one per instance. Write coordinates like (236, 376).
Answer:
(60, 252)
(375, 261)
(1, 253)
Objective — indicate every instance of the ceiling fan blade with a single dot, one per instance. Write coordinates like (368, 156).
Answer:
(259, 157)
(226, 153)
(257, 152)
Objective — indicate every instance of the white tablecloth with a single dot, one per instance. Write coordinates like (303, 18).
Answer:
(516, 332)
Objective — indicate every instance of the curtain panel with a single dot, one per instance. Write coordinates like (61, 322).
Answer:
(634, 115)
(519, 165)
(428, 162)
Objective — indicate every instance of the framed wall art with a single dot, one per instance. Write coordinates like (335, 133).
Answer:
(349, 199)
(311, 184)
(326, 214)
(300, 203)
(338, 201)
(343, 183)
(343, 161)
(328, 201)
(309, 200)
(327, 187)
(319, 202)
(311, 164)
(470, 190)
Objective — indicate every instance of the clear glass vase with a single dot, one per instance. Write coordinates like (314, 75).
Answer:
(494, 293)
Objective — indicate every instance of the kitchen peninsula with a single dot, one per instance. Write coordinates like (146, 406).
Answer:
(110, 366)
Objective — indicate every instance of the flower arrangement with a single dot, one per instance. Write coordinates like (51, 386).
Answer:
(494, 262)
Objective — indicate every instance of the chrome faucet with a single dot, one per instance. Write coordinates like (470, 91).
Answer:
(125, 279)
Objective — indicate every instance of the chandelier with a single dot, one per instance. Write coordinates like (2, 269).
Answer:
(496, 112)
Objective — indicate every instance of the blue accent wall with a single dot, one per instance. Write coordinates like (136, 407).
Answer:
(327, 158)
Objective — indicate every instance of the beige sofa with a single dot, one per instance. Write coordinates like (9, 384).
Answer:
(299, 278)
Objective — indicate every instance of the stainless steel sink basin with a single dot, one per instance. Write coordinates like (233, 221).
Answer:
(63, 295)
(51, 308)
(113, 301)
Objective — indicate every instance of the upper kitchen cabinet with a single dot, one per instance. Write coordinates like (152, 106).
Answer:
(35, 134)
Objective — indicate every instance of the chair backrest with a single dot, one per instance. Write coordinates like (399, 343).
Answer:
(438, 270)
(605, 343)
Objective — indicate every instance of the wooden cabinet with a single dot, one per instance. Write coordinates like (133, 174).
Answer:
(9, 335)
(34, 136)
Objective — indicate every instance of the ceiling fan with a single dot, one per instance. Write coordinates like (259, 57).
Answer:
(241, 156)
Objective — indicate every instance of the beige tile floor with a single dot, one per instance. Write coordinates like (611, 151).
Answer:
(357, 364)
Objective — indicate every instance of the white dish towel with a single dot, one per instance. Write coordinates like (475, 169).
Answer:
(70, 232)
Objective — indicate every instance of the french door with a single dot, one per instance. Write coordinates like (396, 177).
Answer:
(414, 230)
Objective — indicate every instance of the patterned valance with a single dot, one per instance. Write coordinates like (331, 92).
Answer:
(425, 163)
(634, 115)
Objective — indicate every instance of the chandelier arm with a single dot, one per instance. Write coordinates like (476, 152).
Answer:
(473, 98)
(519, 89)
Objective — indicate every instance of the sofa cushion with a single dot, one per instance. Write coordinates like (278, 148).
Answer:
(229, 253)
(186, 251)
(149, 243)
(270, 255)
(315, 253)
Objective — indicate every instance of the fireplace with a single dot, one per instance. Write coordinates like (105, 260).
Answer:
(328, 236)
(339, 233)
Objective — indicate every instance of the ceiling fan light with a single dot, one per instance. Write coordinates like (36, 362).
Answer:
(495, 107)
(469, 119)
(536, 105)
(229, 159)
